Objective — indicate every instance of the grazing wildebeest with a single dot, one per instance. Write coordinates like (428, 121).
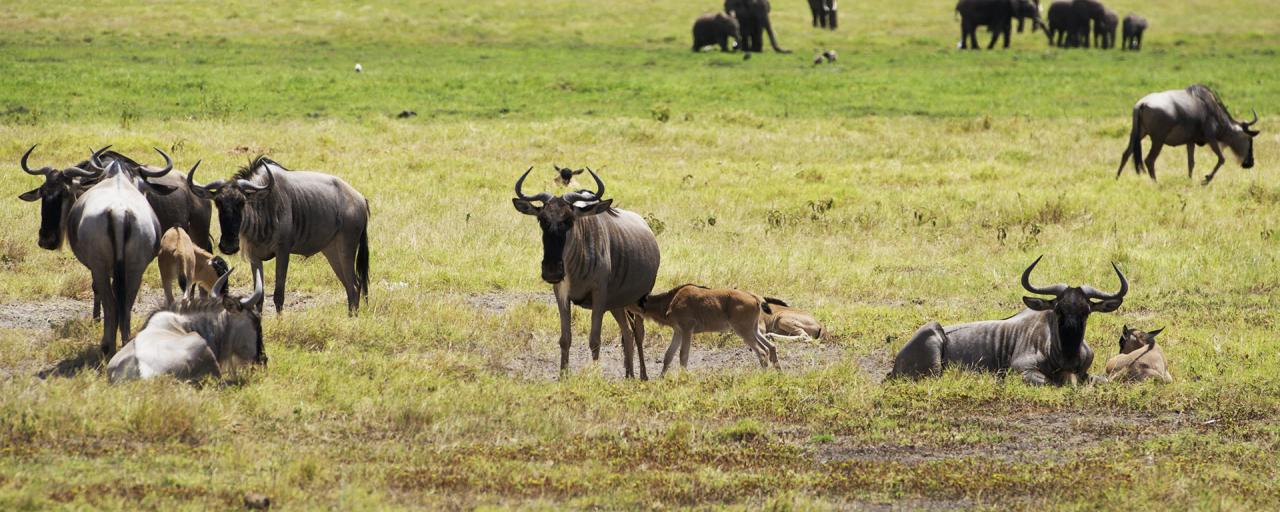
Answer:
(785, 322)
(713, 29)
(689, 309)
(997, 16)
(1193, 117)
(1139, 358)
(753, 19)
(1104, 30)
(196, 337)
(1134, 26)
(293, 212)
(180, 258)
(114, 233)
(597, 257)
(824, 13)
(1044, 343)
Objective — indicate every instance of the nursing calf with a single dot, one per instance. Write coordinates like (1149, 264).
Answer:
(690, 309)
(181, 258)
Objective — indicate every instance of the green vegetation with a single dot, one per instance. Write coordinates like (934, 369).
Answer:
(904, 183)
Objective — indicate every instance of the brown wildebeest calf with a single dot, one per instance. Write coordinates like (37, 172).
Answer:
(690, 309)
(1139, 359)
(787, 323)
(181, 258)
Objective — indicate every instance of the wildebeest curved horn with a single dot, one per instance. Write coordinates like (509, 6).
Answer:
(541, 196)
(220, 286)
(211, 188)
(1048, 290)
(599, 184)
(246, 184)
(168, 166)
(1246, 125)
(252, 301)
(93, 158)
(1093, 293)
(23, 162)
(95, 166)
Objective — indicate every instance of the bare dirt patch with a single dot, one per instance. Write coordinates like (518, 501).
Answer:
(497, 303)
(543, 360)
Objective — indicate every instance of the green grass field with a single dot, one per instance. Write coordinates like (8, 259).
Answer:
(946, 172)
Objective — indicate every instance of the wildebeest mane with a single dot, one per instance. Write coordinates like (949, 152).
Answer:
(771, 300)
(246, 172)
(204, 316)
(1210, 98)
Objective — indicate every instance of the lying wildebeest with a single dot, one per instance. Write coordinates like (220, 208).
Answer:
(1104, 30)
(690, 309)
(1139, 358)
(180, 258)
(824, 13)
(753, 19)
(114, 233)
(714, 29)
(196, 337)
(1044, 343)
(565, 176)
(597, 257)
(785, 322)
(1134, 26)
(1193, 117)
(275, 212)
(997, 16)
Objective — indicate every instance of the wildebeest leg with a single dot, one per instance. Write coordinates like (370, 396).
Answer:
(686, 341)
(255, 268)
(102, 292)
(769, 347)
(1156, 145)
(566, 317)
(133, 283)
(1031, 373)
(671, 351)
(166, 279)
(637, 330)
(97, 307)
(597, 321)
(628, 340)
(282, 272)
(1124, 160)
(1191, 159)
(922, 355)
(342, 261)
(1221, 160)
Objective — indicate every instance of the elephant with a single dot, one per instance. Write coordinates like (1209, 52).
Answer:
(715, 29)
(997, 16)
(1134, 26)
(1061, 23)
(1083, 14)
(824, 13)
(1104, 31)
(753, 19)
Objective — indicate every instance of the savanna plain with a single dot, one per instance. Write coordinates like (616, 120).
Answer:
(906, 182)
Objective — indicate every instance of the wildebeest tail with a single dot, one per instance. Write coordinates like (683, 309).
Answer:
(764, 305)
(1135, 139)
(119, 243)
(771, 300)
(362, 263)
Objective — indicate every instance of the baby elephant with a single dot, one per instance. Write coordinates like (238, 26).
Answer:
(690, 309)
(1139, 359)
(783, 322)
(186, 261)
(715, 29)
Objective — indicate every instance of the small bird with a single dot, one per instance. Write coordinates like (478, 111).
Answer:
(359, 68)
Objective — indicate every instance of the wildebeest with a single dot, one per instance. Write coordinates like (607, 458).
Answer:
(1134, 26)
(753, 19)
(114, 233)
(824, 13)
(597, 257)
(714, 29)
(784, 321)
(274, 212)
(1044, 343)
(1139, 358)
(181, 259)
(1193, 117)
(689, 309)
(997, 16)
(565, 177)
(196, 337)
(1104, 30)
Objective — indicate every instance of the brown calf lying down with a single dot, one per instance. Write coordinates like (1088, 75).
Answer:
(1139, 359)
(784, 322)
(186, 261)
(689, 309)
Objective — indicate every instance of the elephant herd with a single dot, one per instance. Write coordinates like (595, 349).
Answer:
(1071, 23)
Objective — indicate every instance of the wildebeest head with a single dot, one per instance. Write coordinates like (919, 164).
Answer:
(138, 175)
(566, 174)
(1241, 141)
(230, 199)
(230, 323)
(58, 192)
(556, 217)
(1133, 339)
(1072, 305)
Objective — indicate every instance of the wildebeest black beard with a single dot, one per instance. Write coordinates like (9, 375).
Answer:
(1071, 332)
(553, 254)
(51, 223)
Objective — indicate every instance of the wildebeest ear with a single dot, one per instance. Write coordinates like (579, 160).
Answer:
(30, 195)
(579, 171)
(1252, 133)
(1037, 303)
(596, 207)
(1153, 334)
(1106, 306)
(524, 206)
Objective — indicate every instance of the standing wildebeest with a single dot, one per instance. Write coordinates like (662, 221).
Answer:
(1045, 342)
(114, 233)
(824, 13)
(997, 16)
(195, 338)
(293, 212)
(595, 256)
(1139, 358)
(714, 29)
(753, 18)
(1134, 26)
(180, 258)
(1193, 116)
(690, 309)
(1104, 30)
